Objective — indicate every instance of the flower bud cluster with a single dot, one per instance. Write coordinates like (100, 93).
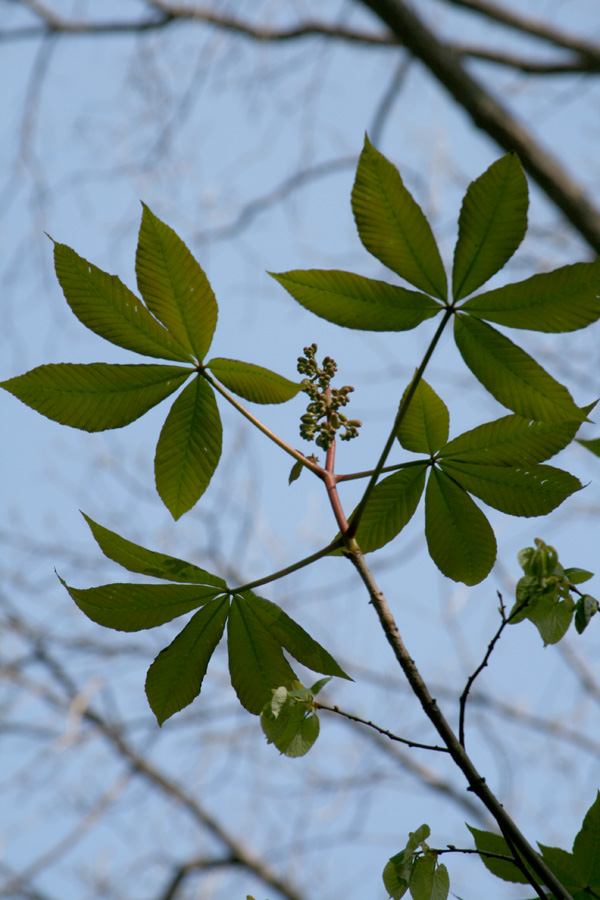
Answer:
(323, 418)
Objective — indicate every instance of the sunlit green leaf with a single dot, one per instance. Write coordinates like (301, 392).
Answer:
(577, 575)
(293, 637)
(441, 883)
(174, 286)
(108, 308)
(390, 507)
(492, 224)
(175, 677)
(421, 878)
(563, 300)
(97, 396)
(394, 885)
(148, 562)
(289, 725)
(511, 441)
(585, 608)
(517, 491)
(256, 662)
(459, 537)
(424, 428)
(189, 448)
(135, 607)
(550, 614)
(489, 842)
(253, 382)
(392, 226)
(511, 375)
(357, 302)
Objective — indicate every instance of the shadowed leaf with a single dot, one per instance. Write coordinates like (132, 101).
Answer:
(252, 382)
(356, 302)
(424, 428)
(189, 448)
(492, 224)
(175, 677)
(511, 441)
(174, 286)
(392, 226)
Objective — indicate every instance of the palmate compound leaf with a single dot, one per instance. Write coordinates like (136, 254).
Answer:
(136, 607)
(256, 661)
(511, 375)
(175, 288)
(392, 226)
(511, 441)
(108, 308)
(459, 537)
(563, 300)
(293, 637)
(514, 490)
(391, 506)
(357, 302)
(96, 396)
(252, 382)
(148, 562)
(492, 224)
(189, 448)
(175, 677)
(424, 428)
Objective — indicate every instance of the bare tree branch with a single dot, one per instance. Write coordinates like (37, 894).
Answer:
(489, 115)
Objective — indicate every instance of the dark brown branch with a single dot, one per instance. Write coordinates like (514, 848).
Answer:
(431, 709)
(489, 115)
(579, 64)
(169, 14)
(533, 27)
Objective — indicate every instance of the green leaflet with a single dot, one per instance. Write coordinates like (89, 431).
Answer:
(578, 871)
(189, 448)
(428, 880)
(252, 382)
(295, 639)
(492, 224)
(563, 300)
(511, 375)
(174, 286)
(97, 396)
(392, 227)
(489, 842)
(290, 722)
(175, 677)
(593, 446)
(148, 562)
(256, 662)
(511, 441)
(459, 537)
(108, 308)
(135, 607)
(517, 491)
(586, 848)
(356, 302)
(424, 428)
(391, 506)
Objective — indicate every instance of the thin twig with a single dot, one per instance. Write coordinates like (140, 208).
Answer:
(382, 731)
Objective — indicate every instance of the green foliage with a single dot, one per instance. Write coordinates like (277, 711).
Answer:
(356, 302)
(189, 448)
(253, 382)
(416, 869)
(578, 871)
(391, 225)
(545, 594)
(175, 677)
(97, 396)
(492, 224)
(174, 287)
(502, 463)
(290, 721)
